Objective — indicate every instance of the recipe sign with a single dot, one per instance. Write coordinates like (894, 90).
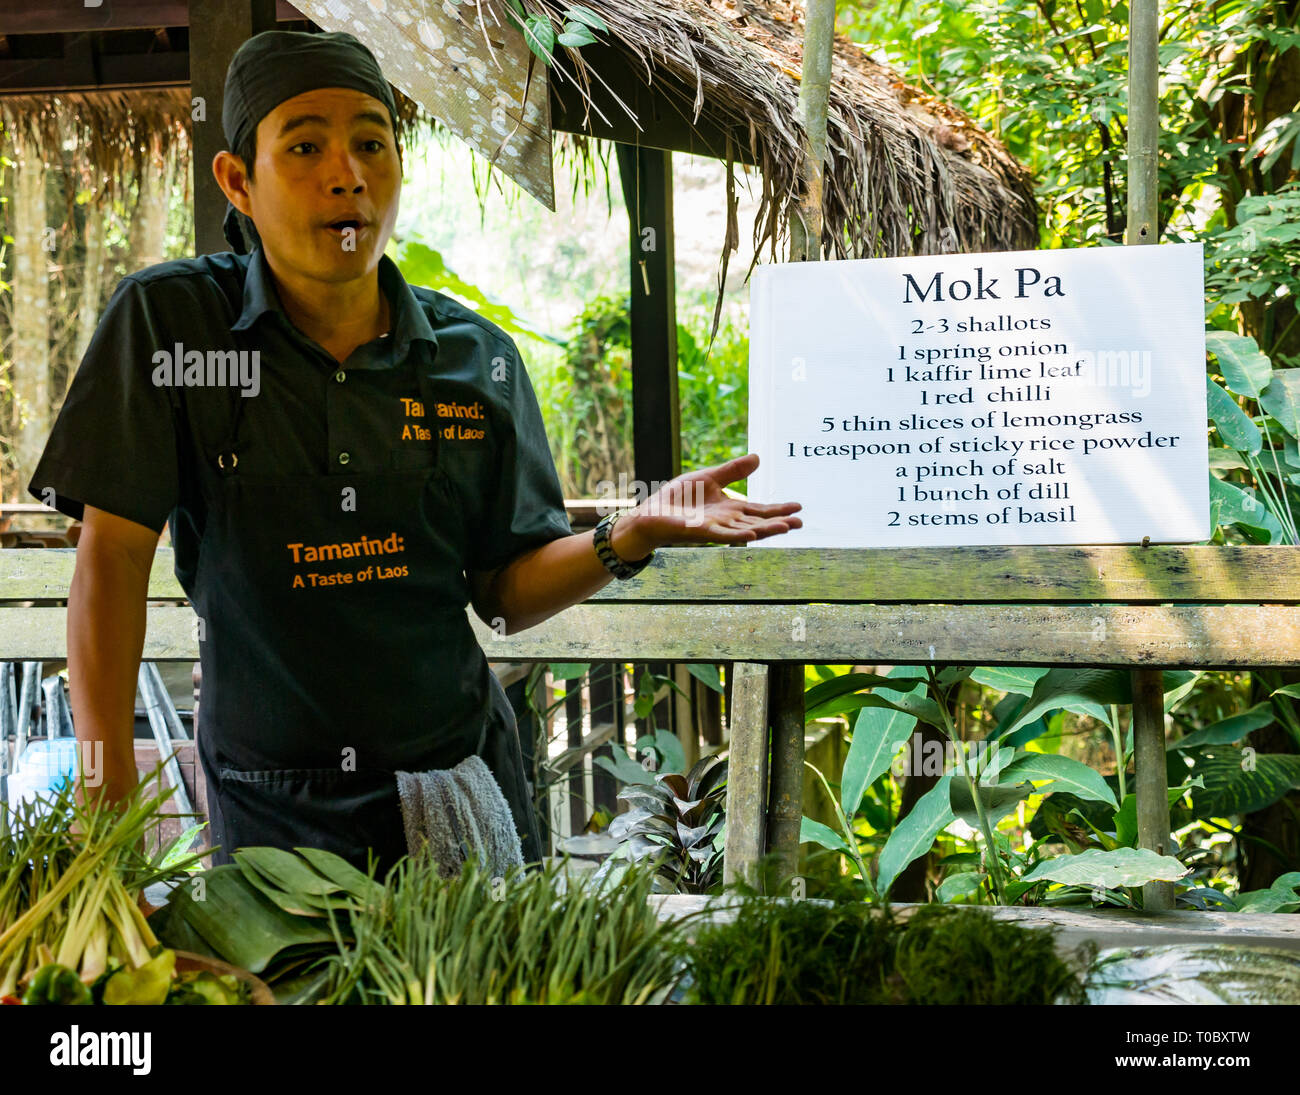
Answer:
(1028, 397)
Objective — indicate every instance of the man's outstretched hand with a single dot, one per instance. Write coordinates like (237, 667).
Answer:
(692, 509)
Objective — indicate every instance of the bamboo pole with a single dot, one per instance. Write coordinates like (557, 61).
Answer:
(785, 795)
(814, 92)
(1144, 228)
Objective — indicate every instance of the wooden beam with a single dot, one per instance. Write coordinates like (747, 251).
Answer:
(647, 178)
(1168, 636)
(70, 16)
(217, 29)
(1019, 575)
(82, 71)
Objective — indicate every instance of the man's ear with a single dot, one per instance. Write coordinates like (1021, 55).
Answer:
(231, 175)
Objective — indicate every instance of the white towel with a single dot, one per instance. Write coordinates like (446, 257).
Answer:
(451, 814)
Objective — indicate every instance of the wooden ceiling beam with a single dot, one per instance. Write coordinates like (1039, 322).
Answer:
(72, 16)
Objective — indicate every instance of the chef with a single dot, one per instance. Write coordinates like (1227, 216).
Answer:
(345, 462)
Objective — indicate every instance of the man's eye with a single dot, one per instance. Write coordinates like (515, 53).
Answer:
(374, 145)
(301, 144)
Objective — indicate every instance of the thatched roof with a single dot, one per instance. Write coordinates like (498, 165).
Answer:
(111, 134)
(907, 173)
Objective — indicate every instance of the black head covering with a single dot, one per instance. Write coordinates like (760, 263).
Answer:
(277, 65)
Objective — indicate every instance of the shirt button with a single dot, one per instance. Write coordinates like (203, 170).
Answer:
(340, 376)
(344, 458)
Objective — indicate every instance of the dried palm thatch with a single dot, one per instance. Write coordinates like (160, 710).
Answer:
(906, 174)
(114, 136)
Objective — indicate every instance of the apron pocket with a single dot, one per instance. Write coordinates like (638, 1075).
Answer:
(347, 813)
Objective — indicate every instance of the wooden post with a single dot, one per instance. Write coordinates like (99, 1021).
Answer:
(1144, 228)
(647, 178)
(1143, 122)
(217, 29)
(1152, 778)
(746, 774)
(785, 803)
(785, 799)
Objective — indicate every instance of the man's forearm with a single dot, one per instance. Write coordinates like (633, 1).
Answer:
(106, 627)
(555, 576)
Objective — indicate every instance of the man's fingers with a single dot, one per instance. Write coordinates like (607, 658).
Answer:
(734, 470)
(772, 509)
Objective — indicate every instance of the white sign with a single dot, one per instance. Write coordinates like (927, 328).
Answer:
(1025, 397)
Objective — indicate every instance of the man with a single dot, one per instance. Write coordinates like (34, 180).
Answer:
(346, 462)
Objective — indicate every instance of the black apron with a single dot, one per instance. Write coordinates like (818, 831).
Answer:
(336, 650)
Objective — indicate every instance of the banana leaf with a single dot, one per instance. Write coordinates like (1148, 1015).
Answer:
(237, 922)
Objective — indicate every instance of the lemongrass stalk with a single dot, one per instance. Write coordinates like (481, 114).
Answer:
(82, 918)
(94, 960)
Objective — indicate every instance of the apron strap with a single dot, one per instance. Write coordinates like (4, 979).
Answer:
(227, 458)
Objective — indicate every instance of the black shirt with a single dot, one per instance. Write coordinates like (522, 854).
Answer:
(180, 342)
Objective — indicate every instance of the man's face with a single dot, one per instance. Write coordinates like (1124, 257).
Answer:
(325, 157)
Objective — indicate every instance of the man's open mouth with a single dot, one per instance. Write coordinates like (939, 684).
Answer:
(344, 225)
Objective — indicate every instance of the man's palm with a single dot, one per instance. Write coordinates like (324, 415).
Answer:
(693, 509)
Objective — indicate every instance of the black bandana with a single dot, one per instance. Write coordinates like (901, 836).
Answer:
(277, 65)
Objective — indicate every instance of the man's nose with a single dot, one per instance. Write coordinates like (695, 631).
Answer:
(346, 174)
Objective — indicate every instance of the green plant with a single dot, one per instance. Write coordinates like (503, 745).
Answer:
(539, 22)
(986, 780)
(539, 937)
(814, 952)
(70, 879)
(676, 822)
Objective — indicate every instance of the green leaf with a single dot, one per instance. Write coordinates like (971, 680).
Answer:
(1229, 730)
(1126, 825)
(1292, 690)
(814, 832)
(576, 35)
(1108, 870)
(568, 671)
(1239, 781)
(582, 14)
(917, 706)
(1226, 460)
(624, 768)
(1235, 426)
(707, 675)
(998, 801)
(239, 923)
(915, 834)
(1244, 366)
(1230, 505)
(878, 735)
(1016, 679)
(1083, 691)
(1282, 399)
(959, 887)
(1177, 685)
(422, 265)
(1070, 774)
(540, 36)
(820, 695)
(1283, 896)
